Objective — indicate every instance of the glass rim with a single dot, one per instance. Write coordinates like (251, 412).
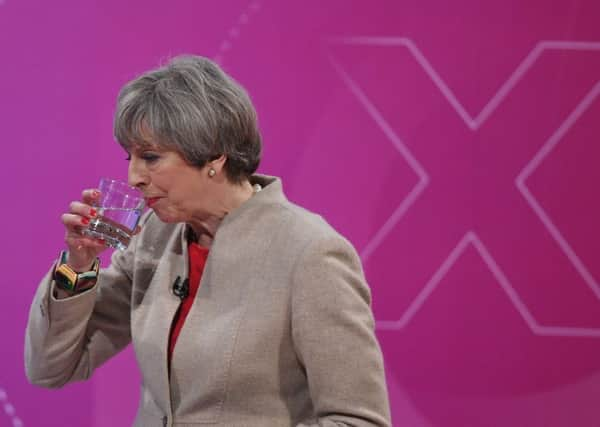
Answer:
(119, 185)
(119, 182)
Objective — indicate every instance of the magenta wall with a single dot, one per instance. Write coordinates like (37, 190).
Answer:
(455, 143)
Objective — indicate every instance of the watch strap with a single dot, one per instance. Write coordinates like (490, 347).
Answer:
(68, 279)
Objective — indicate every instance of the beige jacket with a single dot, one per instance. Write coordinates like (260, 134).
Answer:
(280, 334)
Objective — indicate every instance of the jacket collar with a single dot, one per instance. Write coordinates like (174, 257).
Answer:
(271, 193)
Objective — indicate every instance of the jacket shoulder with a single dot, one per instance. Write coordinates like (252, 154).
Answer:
(306, 227)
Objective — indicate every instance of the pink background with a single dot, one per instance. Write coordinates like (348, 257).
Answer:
(454, 143)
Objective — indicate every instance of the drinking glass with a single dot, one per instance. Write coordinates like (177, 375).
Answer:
(119, 209)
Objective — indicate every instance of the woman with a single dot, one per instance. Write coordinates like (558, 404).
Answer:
(275, 328)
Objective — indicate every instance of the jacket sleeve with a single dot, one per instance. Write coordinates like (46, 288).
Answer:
(67, 339)
(333, 332)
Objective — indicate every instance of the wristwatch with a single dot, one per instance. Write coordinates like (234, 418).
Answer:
(68, 279)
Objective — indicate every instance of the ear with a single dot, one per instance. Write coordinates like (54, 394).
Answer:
(218, 164)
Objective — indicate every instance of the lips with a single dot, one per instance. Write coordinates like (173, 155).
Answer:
(151, 200)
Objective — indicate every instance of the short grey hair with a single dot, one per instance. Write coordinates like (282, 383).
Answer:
(191, 106)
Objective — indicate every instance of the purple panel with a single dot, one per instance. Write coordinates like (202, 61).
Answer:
(454, 143)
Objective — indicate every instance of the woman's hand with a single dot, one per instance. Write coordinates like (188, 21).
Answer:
(83, 250)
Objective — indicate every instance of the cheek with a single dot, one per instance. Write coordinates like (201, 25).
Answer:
(174, 210)
(176, 202)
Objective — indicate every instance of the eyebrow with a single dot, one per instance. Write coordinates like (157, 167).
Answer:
(145, 145)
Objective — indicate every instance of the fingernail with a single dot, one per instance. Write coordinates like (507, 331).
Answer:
(93, 212)
(102, 241)
(85, 221)
(95, 193)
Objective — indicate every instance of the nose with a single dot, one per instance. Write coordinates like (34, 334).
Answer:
(136, 173)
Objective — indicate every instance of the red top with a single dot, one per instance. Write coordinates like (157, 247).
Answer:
(197, 260)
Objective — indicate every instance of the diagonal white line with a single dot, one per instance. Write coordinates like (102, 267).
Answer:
(423, 62)
(474, 124)
(235, 31)
(426, 292)
(537, 208)
(559, 133)
(9, 409)
(502, 280)
(498, 97)
(514, 298)
(471, 238)
(391, 222)
(441, 84)
(407, 202)
(379, 120)
(508, 86)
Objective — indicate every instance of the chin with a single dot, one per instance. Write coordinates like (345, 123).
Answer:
(166, 217)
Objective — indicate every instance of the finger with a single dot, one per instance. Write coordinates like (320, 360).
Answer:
(90, 195)
(82, 242)
(96, 242)
(82, 209)
(74, 222)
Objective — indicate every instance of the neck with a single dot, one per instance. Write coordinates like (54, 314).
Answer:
(231, 196)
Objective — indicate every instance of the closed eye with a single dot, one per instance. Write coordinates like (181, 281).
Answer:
(149, 157)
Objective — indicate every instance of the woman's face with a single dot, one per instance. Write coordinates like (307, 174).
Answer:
(174, 189)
